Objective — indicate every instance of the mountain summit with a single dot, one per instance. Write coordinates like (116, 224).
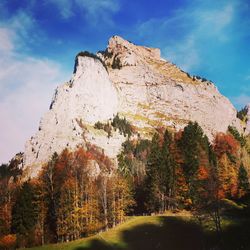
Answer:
(134, 82)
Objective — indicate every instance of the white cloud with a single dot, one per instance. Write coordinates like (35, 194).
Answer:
(99, 9)
(22, 107)
(26, 88)
(214, 22)
(241, 100)
(93, 10)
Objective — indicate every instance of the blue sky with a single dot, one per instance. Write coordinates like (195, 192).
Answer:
(39, 41)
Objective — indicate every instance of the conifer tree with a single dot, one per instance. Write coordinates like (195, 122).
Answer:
(25, 211)
(167, 172)
(152, 180)
(243, 182)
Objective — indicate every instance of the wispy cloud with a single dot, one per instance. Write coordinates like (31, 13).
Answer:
(65, 7)
(247, 78)
(189, 30)
(94, 10)
(26, 86)
(241, 100)
(6, 37)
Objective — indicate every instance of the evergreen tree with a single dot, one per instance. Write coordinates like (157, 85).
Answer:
(189, 143)
(25, 211)
(243, 182)
(152, 179)
(195, 148)
(168, 171)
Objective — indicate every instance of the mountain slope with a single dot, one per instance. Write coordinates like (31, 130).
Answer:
(135, 82)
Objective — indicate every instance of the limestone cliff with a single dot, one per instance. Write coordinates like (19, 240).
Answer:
(135, 82)
(87, 98)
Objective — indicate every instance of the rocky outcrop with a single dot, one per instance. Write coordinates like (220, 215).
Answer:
(135, 82)
(247, 130)
(87, 98)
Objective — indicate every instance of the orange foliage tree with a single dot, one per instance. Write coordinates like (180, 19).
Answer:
(226, 147)
(8, 242)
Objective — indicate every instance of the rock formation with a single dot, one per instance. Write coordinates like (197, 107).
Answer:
(247, 131)
(135, 82)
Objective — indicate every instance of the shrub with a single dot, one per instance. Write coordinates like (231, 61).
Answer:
(99, 125)
(122, 125)
(8, 241)
(242, 114)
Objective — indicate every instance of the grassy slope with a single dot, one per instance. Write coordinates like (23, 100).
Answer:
(113, 236)
(161, 232)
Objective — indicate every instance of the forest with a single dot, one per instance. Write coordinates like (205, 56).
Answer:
(79, 193)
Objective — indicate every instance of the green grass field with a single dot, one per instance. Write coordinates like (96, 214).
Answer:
(166, 232)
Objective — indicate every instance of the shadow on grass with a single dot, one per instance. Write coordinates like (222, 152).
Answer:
(177, 234)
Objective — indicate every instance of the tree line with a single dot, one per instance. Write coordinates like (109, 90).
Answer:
(80, 193)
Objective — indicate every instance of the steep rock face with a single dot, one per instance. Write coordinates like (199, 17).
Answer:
(88, 97)
(141, 86)
(154, 92)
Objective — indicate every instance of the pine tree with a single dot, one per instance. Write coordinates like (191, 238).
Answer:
(167, 172)
(197, 154)
(25, 211)
(153, 199)
(243, 182)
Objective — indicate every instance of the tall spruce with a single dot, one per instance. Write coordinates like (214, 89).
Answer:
(25, 211)
(152, 180)
(191, 144)
(168, 171)
(243, 181)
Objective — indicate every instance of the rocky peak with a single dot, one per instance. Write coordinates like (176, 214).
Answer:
(118, 45)
(120, 53)
(122, 56)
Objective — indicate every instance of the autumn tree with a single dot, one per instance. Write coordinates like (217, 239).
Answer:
(226, 149)
(120, 199)
(8, 242)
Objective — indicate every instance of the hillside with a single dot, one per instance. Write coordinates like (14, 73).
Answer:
(174, 232)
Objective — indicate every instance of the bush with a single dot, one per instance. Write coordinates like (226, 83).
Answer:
(99, 125)
(242, 114)
(121, 124)
(8, 241)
